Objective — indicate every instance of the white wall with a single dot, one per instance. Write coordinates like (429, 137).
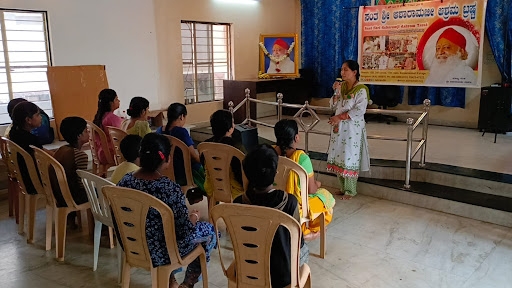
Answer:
(117, 33)
(248, 20)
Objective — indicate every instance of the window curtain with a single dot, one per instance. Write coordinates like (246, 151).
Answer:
(329, 37)
(498, 23)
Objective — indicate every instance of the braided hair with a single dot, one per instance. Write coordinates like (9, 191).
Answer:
(174, 112)
(154, 151)
(105, 98)
(285, 132)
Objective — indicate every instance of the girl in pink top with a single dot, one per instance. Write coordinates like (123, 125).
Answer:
(107, 103)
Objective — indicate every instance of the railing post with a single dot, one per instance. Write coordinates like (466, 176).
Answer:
(279, 107)
(426, 109)
(248, 106)
(306, 130)
(231, 106)
(410, 123)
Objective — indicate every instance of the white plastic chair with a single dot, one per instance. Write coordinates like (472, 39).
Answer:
(101, 213)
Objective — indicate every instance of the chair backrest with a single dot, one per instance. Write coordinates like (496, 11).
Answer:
(13, 150)
(285, 166)
(187, 163)
(96, 132)
(5, 156)
(130, 208)
(93, 185)
(47, 165)
(252, 230)
(116, 136)
(217, 158)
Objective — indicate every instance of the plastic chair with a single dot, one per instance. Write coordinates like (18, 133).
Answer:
(12, 183)
(169, 172)
(218, 163)
(116, 136)
(285, 166)
(252, 229)
(101, 213)
(45, 165)
(26, 199)
(97, 167)
(130, 208)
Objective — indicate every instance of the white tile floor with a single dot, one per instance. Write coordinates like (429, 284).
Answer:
(446, 145)
(371, 243)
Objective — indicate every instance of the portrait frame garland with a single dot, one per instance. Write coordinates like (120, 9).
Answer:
(266, 58)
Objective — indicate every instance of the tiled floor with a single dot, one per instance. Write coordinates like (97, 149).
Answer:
(371, 243)
(446, 145)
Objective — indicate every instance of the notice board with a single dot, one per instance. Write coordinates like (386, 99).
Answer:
(74, 91)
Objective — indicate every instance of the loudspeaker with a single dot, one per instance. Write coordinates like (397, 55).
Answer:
(247, 135)
(495, 109)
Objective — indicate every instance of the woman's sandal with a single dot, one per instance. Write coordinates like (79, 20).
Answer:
(346, 197)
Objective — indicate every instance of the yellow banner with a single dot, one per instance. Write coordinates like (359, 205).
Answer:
(435, 43)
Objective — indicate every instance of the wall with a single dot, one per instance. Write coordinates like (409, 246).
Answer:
(248, 20)
(117, 33)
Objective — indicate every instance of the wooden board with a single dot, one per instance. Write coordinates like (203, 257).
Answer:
(74, 91)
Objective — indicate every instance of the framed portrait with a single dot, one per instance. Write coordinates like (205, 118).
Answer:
(279, 55)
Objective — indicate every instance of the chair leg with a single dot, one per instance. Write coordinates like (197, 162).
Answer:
(10, 196)
(61, 219)
(79, 220)
(162, 278)
(119, 263)
(308, 282)
(31, 217)
(126, 274)
(16, 201)
(90, 222)
(21, 216)
(322, 236)
(97, 237)
(111, 237)
(49, 227)
(204, 269)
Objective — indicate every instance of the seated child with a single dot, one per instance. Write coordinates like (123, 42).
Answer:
(74, 131)
(44, 132)
(130, 146)
(223, 125)
(138, 123)
(260, 167)
(176, 118)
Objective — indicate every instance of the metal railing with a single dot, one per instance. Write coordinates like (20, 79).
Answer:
(309, 128)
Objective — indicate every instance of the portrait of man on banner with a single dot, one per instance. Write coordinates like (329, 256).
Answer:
(451, 56)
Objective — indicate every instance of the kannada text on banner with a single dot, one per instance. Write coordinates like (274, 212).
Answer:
(423, 43)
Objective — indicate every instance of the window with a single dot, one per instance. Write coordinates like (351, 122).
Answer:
(206, 53)
(24, 57)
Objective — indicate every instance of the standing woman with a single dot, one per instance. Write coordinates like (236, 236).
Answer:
(138, 112)
(107, 103)
(348, 149)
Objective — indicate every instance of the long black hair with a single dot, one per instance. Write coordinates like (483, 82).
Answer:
(354, 66)
(154, 150)
(174, 112)
(260, 166)
(21, 112)
(137, 106)
(105, 98)
(13, 104)
(221, 121)
(285, 132)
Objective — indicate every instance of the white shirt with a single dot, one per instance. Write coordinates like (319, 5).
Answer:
(461, 74)
(286, 66)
